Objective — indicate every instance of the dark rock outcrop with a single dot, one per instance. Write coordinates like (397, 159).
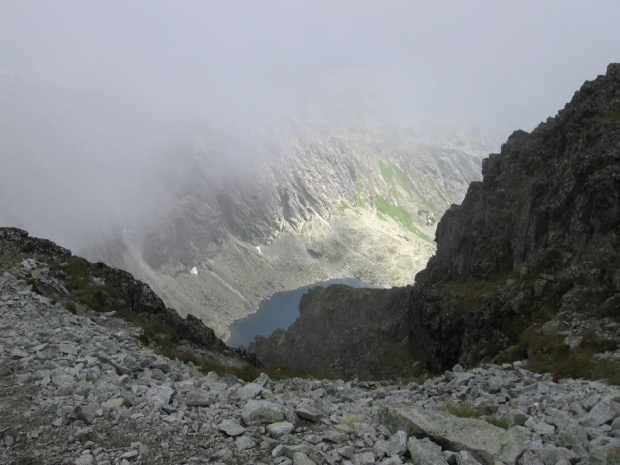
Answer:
(532, 253)
(359, 334)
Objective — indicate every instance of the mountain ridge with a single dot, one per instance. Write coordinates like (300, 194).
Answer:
(527, 263)
(321, 206)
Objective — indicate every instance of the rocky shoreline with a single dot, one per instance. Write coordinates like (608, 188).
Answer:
(82, 389)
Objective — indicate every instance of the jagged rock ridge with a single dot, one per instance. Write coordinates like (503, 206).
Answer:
(72, 279)
(528, 265)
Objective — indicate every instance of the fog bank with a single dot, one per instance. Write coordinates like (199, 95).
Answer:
(93, 94)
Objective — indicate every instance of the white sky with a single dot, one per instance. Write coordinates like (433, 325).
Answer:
(500, 65)
(120, 82)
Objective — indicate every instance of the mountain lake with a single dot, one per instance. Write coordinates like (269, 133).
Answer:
(279, 311)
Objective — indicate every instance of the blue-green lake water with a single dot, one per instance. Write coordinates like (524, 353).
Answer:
(279, 311)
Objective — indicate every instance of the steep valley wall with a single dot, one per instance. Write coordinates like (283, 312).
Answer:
(305, 208)
(527, 266)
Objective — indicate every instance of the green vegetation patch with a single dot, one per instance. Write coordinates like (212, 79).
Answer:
(549, 354)
(465, 410)
(499, 421)
(393, 359)
(343, 205)
(614, 114)
(470, 296)
(486, 412)
(88, 288)
(387, 172)
(394, 177)
(246, 373)
(357, 197)
(352, 420)
(399, 214)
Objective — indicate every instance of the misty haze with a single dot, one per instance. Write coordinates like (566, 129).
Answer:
(268, 191)
(163, 139)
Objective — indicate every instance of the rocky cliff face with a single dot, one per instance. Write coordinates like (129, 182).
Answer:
(302, 207)
(528, 264)
(360, 334)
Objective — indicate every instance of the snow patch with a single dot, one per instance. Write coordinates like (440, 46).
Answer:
(258, 248)
(194, 271)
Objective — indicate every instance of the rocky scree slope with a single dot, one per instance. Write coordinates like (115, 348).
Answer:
(77, 284)
(527, 266)
(82, 389)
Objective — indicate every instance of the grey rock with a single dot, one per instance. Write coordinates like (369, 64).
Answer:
(486, 442)
(249, 391)
(462, 379)
(425, 452)
(571, 435)
(602, 440)
(465, 458)
(17, 353)
(519, 418)
(347, 452)
(159, 396)
(299, 458)
(68, 349)
(603, 412)
(256, 412)
(158, 374)
(130, 455)
(162, 365)
(263, 379)
(539, 427)
(547, 455)
(225, 454)
(397, 445)
(244, 443)
(449, 456)
(279, 429)
(609, 454)
(85, 459)
(309, 413)
(290, 450)
(231, 428)
(278, 451)
(335, 436)
(199, 399)
(396, 460)
(365, 458)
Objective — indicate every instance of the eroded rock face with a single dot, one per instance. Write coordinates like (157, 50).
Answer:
(349, 334)
(535, 243)
(539, 235)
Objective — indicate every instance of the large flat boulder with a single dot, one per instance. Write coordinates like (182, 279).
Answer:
(487, 443)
